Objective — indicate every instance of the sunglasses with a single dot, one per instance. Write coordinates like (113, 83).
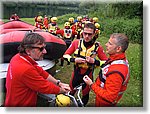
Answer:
(89, 34)
(40, 48)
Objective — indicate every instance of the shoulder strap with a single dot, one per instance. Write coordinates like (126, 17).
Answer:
(115, 71)
(95, 49)
(79, 47)
(120, 62)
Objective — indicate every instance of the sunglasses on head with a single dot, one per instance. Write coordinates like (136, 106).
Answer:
(40, 48)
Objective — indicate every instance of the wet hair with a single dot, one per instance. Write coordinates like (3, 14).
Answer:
(29, 40)
(122, 40)
(91, 26)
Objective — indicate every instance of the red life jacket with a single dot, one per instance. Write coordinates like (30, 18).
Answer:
(107, 69)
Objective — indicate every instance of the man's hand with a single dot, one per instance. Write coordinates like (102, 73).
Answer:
(64, 87)
(87, 80)
(90, 59)
(80, 60)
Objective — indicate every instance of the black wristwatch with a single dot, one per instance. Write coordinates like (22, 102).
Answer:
(58, 82)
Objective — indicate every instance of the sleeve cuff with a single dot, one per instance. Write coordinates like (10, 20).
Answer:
(72, 59)
(97, 62)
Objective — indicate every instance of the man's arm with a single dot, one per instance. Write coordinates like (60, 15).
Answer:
(58, 83)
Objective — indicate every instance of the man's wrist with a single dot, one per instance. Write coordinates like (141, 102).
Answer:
(91, 85)
(58, 82)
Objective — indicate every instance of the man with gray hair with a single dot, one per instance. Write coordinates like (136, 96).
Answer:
(114, 74)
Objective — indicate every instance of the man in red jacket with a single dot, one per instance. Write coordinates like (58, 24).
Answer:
(85, 51)
(25, 78)
(114, 74)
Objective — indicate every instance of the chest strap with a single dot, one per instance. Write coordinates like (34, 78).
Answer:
(115, 71)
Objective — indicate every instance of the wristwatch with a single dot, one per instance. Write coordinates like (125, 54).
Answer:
(58, 82)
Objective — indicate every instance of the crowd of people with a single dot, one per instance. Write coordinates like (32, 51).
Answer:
(76, 25)
(83, 50)
(73, 28)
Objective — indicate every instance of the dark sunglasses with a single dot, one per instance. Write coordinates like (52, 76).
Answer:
(89, 34)
(40, 48)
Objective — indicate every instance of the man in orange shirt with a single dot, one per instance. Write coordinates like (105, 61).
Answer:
(114, 74)
(25, 78)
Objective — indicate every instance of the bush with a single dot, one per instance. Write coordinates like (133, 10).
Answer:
(64, 18)
(131, 27)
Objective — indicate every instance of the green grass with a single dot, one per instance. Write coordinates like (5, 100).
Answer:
(133, 97)
(28, 20)
(134, 94)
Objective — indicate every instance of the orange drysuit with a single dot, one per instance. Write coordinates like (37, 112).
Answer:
(112, 81)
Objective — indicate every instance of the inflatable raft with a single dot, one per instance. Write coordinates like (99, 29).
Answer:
(17, 26)
(10, 41)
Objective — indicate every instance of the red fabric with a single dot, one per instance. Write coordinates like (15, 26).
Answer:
(45, 22)
(39, 25)
(24, 79)
(113, 84)
(73, 27)
(61, 32)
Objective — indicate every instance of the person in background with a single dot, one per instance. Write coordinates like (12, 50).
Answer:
(39, 22)
(72, 26)
(53, 26)
(78, 27)
(45, 23)
(66, 35)
(14, 17)
(25, 78)
(85, 51)
(97, 31)
(114, 74)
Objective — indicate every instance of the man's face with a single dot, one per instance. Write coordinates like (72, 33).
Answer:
(88, 34)
(38, 51)
(111, 47)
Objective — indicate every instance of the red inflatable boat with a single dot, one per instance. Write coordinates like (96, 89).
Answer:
(17, 26)
(13, 36)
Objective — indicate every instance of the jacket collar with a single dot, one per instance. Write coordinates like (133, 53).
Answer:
(118, 56)
(114, 57)
(28, 59)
